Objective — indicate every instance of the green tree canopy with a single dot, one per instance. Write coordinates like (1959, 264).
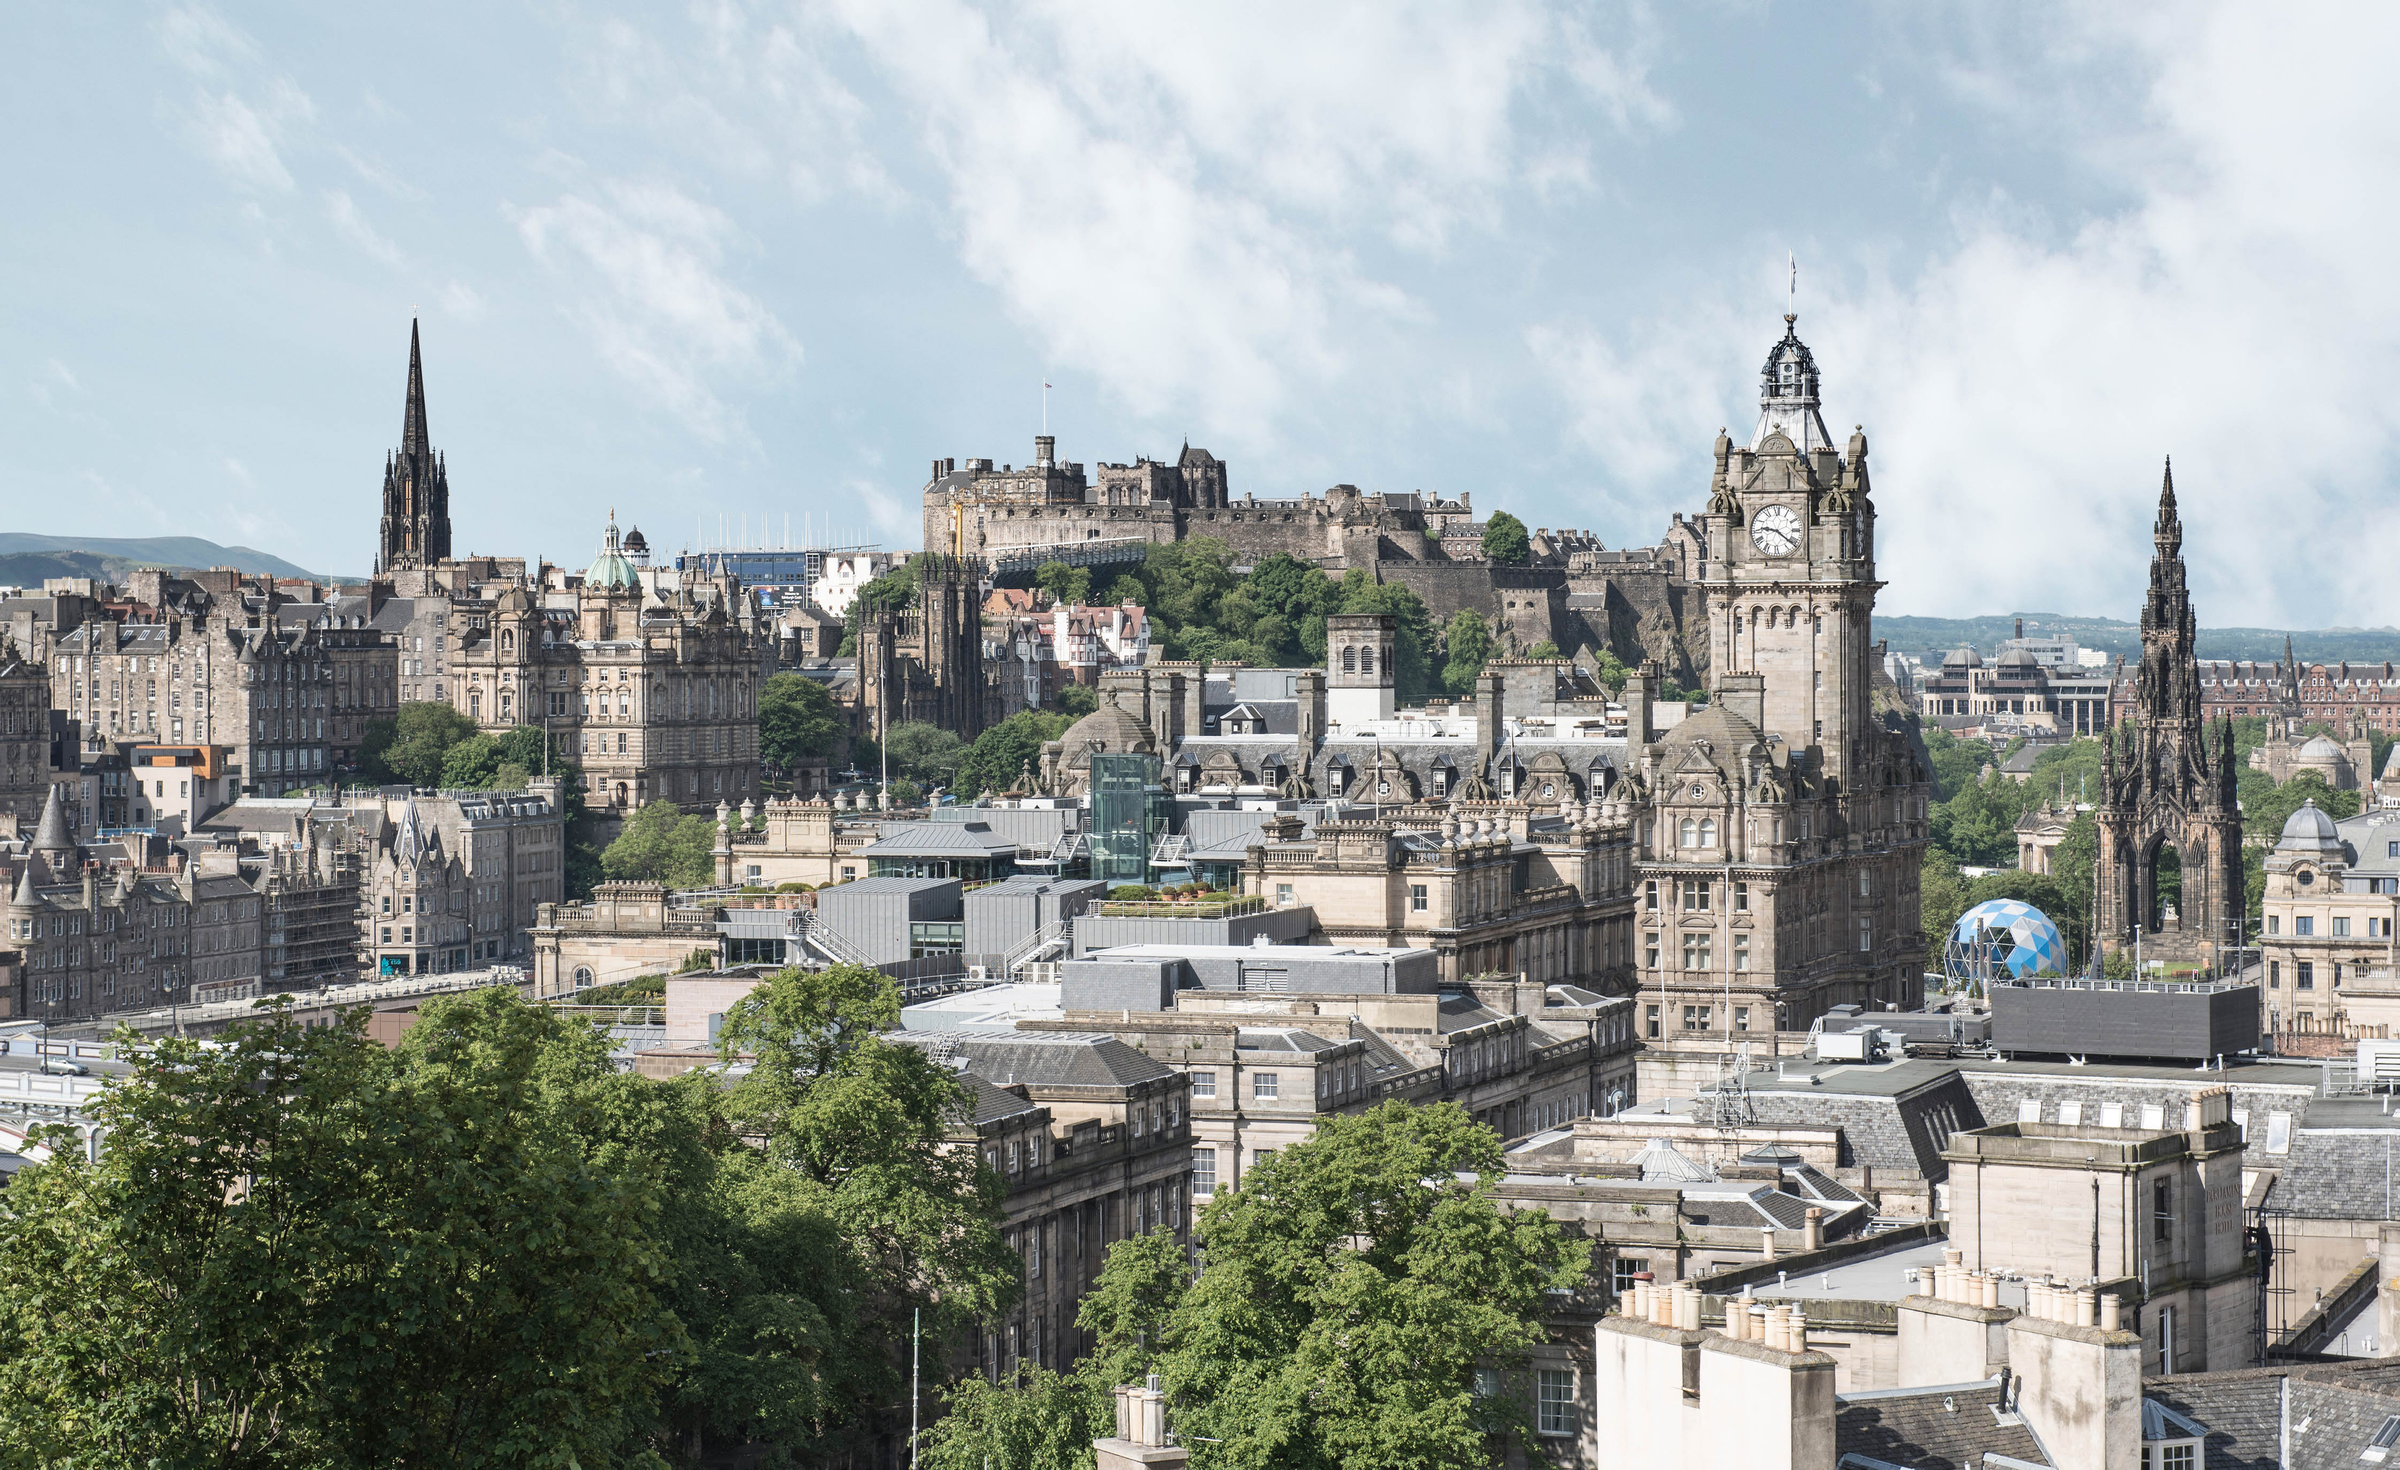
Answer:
(418, 747)
(1067, 584)
(1467, 644)
(503, 762)
(1005, 751)
(1077, 700)
(1352, 1286)
(301, 1249)
(1361, 593)
(659, 844)
(1611, 671)
(798, 720)
(1504, 540)
(923, 752)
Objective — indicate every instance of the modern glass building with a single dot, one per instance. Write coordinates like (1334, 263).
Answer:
(1131, 811)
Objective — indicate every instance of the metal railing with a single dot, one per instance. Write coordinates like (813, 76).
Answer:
(822, 937)
(1039, 947)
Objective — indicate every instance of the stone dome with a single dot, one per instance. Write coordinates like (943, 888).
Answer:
(2309, 830)
(2318, 748)
(2019, 658)
(1108, 728)
(1962, 658)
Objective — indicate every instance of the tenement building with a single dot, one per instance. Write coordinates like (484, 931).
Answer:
(452, 882)
(25, 735)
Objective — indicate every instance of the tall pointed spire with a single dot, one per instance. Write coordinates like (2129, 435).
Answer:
(416, 483)
(53, 835)
(413, 436)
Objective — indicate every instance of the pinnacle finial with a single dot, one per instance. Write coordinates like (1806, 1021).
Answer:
(414, 436)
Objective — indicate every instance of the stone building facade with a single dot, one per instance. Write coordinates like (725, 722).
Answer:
(928, 659)
(100, 936)
(26, 748)
(207, 671)
(457, 881)
(1781, 829)
(656, 697)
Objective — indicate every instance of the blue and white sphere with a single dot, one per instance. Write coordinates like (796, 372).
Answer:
(2004, 935)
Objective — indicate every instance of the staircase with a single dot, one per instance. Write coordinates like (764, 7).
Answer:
(1043, 946)
(814, 933)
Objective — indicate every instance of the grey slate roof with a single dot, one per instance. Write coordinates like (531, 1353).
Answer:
(1043, 1061)
(994, 1103)
(1944, 1428)
(942, 839)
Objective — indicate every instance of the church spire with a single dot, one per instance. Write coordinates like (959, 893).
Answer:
(2168, 530)
(413, 436)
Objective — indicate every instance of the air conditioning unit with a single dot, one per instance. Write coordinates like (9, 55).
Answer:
(2379, 1063)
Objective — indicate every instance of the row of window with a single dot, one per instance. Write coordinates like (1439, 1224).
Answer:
(2304, 926)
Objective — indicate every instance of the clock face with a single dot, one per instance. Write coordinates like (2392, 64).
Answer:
(1775, 530)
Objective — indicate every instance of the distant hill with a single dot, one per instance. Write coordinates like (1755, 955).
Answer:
(110, 556)
(1930, 638)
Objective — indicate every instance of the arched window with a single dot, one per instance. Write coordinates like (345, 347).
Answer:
(1708, 832)
(508, 639)
(1366, 660)
(1349, 660)
(1691, 834)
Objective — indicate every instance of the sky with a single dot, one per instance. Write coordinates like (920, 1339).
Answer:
(724, 268)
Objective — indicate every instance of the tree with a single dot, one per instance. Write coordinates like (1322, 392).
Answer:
(1544, 649)
(1352, 1287)
(1941, 898)
(924, 752)
(422, 734)
(1127, 588)
(299, 1249)
(1610, 671)
(798, 721)
(851, 1133)
(1003, 753)
(1077, 700)
(1065, 584)
(1504, 540)
(659, 844)
(1468, 643)
(1413, 625)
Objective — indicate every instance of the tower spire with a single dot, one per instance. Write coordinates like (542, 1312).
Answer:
(414, 439)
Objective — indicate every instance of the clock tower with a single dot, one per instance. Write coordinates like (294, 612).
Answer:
(1785, 829)
(1790, 582)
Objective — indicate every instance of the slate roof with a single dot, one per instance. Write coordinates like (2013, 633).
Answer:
(1043, 1061)
(942, 839)
(994, 1103)
(1945, 1428)
(1280, 1038)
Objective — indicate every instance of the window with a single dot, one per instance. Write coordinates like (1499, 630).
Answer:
(1012, 1156)
(1866, 883)
(1204, 1171)
(1652, 1018)
(2274, 975)
(2304, 975)
(1263, 1086)
(1689, 835)
(1555, 1388)
(1741, 898)
(1741, 1018)
(1708, 832)
(1650, 952)
(1695, 951)
(1624, 1269)
(2274, 923)
(1695, 1018)
(1283, 895)
(1866, 935)
(1416, 898)
(2380, 1447)
(1204, 1084)
(1650, 895)
(2341, 928)
(1741, 953)
(2162, 1214)
(1695, 897)
(2304, 924)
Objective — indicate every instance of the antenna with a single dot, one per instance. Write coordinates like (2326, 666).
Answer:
(1791, 289)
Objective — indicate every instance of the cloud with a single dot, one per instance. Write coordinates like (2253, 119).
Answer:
(238, 125)
(1201, 222)
(645, 258)
(352, 226)
(2022, 387)
(45, 389)
(462, 301)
